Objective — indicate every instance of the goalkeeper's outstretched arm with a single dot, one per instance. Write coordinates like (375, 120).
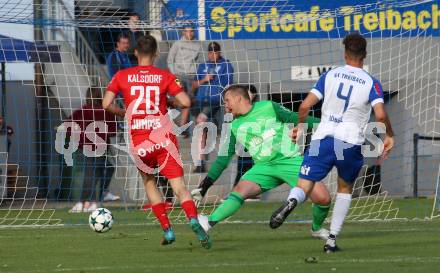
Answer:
(287, 116)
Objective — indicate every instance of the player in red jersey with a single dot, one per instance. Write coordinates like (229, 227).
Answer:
(152, 141)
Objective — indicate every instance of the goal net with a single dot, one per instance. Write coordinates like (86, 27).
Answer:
(53, 51)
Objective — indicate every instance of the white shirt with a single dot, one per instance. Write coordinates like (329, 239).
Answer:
(349, 93)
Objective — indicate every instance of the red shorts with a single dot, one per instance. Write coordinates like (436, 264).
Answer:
(163, 155)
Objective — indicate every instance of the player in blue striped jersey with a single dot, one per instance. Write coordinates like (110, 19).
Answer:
(348, 94)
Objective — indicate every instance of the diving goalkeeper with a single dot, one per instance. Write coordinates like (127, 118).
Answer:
(262, 129)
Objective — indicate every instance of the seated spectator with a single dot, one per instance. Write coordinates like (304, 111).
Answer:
(182, 62)
(118, 59)
(212, 77)
(92, 169)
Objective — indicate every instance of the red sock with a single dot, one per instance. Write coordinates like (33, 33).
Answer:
(161, 215)
(190, 209)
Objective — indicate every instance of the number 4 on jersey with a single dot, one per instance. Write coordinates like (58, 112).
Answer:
(346, 98)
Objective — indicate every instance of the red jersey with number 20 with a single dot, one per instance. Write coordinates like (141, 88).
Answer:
(145, 90)
(153, 143)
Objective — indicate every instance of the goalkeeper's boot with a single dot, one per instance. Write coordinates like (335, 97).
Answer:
(321, 233)
(204, 222)
(168, 237)
(202, 236)
(278, 217)
(330, 245)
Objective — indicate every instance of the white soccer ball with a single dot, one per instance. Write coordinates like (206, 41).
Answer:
(101, 220)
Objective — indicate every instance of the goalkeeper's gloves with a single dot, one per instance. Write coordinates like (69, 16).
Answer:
(202, 189)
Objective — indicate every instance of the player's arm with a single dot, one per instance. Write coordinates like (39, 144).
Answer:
(314, 96)
(112, 90)
(175, 89)
(183, 100)
(201, 78)
(304, 109)
(287, 116)
(217, 168)
(198, 82)
(377, 102)
(382, 116)
(108, 105)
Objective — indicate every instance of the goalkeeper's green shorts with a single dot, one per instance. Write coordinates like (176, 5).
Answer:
(273, 174)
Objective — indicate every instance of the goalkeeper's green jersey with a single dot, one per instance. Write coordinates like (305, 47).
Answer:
(264, 132)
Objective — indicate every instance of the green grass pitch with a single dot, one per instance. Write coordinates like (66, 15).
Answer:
(392, 246)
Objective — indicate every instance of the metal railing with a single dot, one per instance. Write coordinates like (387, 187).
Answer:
(87, 57)
(76, 41)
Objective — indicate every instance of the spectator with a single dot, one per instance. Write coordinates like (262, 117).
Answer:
(118, 59)
(134, 32)
(133, 25)
(182, 62)
(92, 168)
(212, 77)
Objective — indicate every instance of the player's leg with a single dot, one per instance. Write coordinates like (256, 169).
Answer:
(288, 171)
(243, 190)
(184, 196)
(145, 165)
(158, 207)
(91, 175)
(173, 171)
(255, 181)
(189, 207)
(340, 211)
(348, 169)
(321, 206)
(78, 179)
(318, 161)
(297, 195)
(171, 168)
(106, 195)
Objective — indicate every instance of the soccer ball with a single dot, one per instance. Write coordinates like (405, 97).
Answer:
(101, 220)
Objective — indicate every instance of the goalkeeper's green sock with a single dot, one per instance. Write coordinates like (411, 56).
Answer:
(319, 213)
(229, 207)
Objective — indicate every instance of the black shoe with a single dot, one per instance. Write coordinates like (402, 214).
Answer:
(200, 169)
(278, 217)
(330, 245)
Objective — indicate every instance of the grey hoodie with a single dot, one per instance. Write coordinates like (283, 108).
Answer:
(184, 56)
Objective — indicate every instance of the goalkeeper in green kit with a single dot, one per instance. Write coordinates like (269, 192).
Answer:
(262, 128)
